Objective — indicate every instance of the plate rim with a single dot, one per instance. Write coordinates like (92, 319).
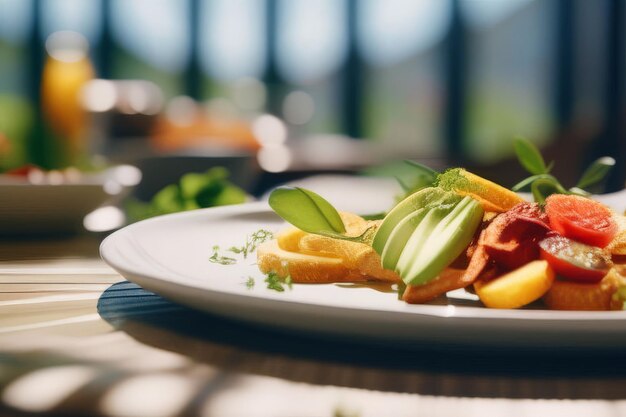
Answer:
(423, 310)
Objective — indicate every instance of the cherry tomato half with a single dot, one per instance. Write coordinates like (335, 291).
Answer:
(574, 260)
(581, 219)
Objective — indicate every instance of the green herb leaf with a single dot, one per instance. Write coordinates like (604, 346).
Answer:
(276, 283)
(252, 242)
(424, 177)
(405, 187)
(374, 216)
(423, 170)
(596, 172)
(306, 210)
(216, 258)
(541, 188)
(528, 181)
(579, 191)
(250, 283)
(530, 157)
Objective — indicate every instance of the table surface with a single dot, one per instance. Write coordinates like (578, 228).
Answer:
(77, 339)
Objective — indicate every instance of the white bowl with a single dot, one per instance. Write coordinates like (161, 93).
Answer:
(53, 207)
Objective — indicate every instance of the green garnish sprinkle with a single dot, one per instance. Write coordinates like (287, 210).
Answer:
(252, 242)
(216, 258)
(249, 283)
(277, 283)
(453, 180)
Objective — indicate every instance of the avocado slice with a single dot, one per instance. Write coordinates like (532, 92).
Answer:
(439, 242)
(399, 237)
(425, 232)
(423, 199)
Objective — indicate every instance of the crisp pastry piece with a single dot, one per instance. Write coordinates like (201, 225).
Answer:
(313, 258)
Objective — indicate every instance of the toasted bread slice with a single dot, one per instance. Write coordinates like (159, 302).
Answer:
(314, 258)
(304, 268)
(357, 257)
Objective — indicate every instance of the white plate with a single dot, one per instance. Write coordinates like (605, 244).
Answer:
(169, 255)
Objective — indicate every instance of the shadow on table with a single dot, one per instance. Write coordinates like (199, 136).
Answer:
(211, 339)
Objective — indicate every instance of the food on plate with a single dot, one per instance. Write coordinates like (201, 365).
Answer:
(307, 257)
(493, 197)
(462, 231)
(517, 288)
(574, 260)
(581, 219)
(608, 294)
(422, 243)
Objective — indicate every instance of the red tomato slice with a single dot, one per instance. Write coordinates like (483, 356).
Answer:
(22, 171)
(573, 260)
(581, 219)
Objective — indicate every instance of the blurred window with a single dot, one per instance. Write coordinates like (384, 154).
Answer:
(15, 20)
(76, 15)
(401, 41)
(154, 38)
(486, 13)
(392, 31)
(511, 64)
(590, 66)
(233, 38)
(311, 38)
(15, 24)
(311, 47)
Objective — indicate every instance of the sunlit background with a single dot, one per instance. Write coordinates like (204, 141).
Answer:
(314, 85)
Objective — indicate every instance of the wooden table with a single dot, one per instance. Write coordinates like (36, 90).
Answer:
(77, 339)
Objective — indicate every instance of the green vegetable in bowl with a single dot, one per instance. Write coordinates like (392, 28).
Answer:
(193, 191)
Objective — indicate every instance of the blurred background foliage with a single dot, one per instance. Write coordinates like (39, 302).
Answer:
(442, 81)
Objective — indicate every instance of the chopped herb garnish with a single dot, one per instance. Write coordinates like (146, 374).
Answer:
(216, 258)
(277, 283)
(252, 242)
(250, 283)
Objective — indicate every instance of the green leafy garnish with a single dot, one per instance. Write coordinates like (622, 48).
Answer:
(250, 283)
(193, 191)
(596, 172)
(276, 283)
(216, 258)
(306, 210)
(423, 177)
(542, 183)
(252, 242)
(530, 157)
(311, 213)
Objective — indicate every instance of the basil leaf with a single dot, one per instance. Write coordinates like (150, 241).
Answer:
(528, 181)
(596, 172)
(306, 210)
(405, 187)
(525, 182)
(530, 157)
(541, 188)
(579, 191)
(423, 169)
